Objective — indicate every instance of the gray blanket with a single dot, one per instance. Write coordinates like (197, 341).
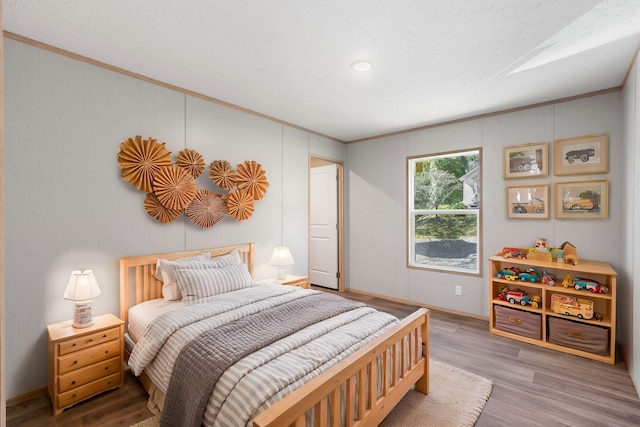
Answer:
(204, 360)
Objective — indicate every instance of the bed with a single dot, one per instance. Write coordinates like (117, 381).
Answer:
(377, 362)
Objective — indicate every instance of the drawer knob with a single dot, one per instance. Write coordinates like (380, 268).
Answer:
(104, 336)
(73, 345)
(75, 362)
(73, 383)
(106, 368)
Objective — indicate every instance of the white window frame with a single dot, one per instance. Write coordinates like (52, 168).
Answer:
(412, 212)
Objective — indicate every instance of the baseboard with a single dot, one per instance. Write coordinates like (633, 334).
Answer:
(409, 302)
(42, 391)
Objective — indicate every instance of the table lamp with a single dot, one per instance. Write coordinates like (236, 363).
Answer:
(281, 257)
(82, 287)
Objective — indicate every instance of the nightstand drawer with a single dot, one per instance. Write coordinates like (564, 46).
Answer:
(77, 394)
(88, 356)
(84, 376)
(88, 341)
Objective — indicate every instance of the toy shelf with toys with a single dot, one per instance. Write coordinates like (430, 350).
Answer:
(565, 307)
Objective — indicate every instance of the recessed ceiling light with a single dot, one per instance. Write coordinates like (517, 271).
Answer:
(361, 66)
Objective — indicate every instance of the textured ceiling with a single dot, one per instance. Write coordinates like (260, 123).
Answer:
(433, 60)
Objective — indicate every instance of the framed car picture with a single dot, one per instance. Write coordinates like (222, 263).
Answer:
(531, 201)
(582, 199)
(526, 160)
(582, 155)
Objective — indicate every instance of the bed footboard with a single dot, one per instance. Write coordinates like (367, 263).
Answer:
(404, 355)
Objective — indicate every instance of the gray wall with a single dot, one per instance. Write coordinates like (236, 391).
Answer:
(376, 211)
(66, 206)
(631, 296)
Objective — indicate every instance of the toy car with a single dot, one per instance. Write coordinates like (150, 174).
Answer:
(572, 306)
(535, 301)
(518, 296)
(530, 274)
(566, 282)
(509, 273)
(600, 289)
(591, 285)
(548, 278)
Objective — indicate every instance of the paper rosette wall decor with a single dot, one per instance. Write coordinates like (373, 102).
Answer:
(191, 161)
(252, 179)
(174, 187)
(171, 188)
(206, 209)
(157, 210)
(140, 159)
(240, 204)
(222, 174)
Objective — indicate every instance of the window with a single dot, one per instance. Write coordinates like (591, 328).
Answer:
(444, 211)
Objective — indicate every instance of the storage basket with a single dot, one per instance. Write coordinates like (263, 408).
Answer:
(518, 322)
(580, 336)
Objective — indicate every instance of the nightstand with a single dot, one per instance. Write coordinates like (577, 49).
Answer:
(290, 280)
(84, 362)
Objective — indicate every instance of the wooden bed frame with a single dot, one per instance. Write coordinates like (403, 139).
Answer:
(395, 361)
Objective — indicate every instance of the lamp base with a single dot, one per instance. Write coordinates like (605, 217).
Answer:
(82, 317)
(282, 274)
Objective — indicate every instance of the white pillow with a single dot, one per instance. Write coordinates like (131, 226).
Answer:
(205, 282)
(165, 272)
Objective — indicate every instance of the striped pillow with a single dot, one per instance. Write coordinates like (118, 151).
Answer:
(166, 270)
(205, 282)
(232, 258)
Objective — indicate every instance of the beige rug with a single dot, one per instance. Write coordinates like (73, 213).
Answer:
(456, 399)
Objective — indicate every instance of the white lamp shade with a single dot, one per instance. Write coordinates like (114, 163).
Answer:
(82, 286)
(281, 256)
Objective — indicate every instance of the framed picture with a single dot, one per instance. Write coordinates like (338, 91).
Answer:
(582, 199)
(528, 201)
(527, 160)
(582, 155)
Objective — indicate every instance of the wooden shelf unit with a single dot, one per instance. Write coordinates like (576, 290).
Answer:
(604, 304)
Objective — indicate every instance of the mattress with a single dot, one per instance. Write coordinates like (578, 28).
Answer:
(141, 315)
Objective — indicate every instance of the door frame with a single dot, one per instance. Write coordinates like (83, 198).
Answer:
(315, 160)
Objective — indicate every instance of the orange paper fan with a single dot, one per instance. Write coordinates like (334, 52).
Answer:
(191, 161)
(156, 210)
(222, 174)
(206, 208)
(141, 159)
(240, 205)
(252, 178)
(174, 187)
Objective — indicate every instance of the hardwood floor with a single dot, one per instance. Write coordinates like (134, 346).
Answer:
(532, 386)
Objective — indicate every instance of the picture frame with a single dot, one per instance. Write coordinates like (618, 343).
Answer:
(582, 199)
(582, 155)
(528, 202)
(526, 160)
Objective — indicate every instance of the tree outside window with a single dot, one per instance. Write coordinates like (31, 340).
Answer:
(444, 208)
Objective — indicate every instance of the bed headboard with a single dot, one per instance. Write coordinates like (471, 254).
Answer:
(138, 272)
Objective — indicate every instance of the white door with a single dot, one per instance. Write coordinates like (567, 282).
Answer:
(323, 245)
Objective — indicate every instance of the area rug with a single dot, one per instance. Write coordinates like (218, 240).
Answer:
(456, 399)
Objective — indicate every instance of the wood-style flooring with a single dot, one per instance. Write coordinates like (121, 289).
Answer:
(532, 386)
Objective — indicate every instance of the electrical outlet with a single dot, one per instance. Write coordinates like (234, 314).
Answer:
(458, 290)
